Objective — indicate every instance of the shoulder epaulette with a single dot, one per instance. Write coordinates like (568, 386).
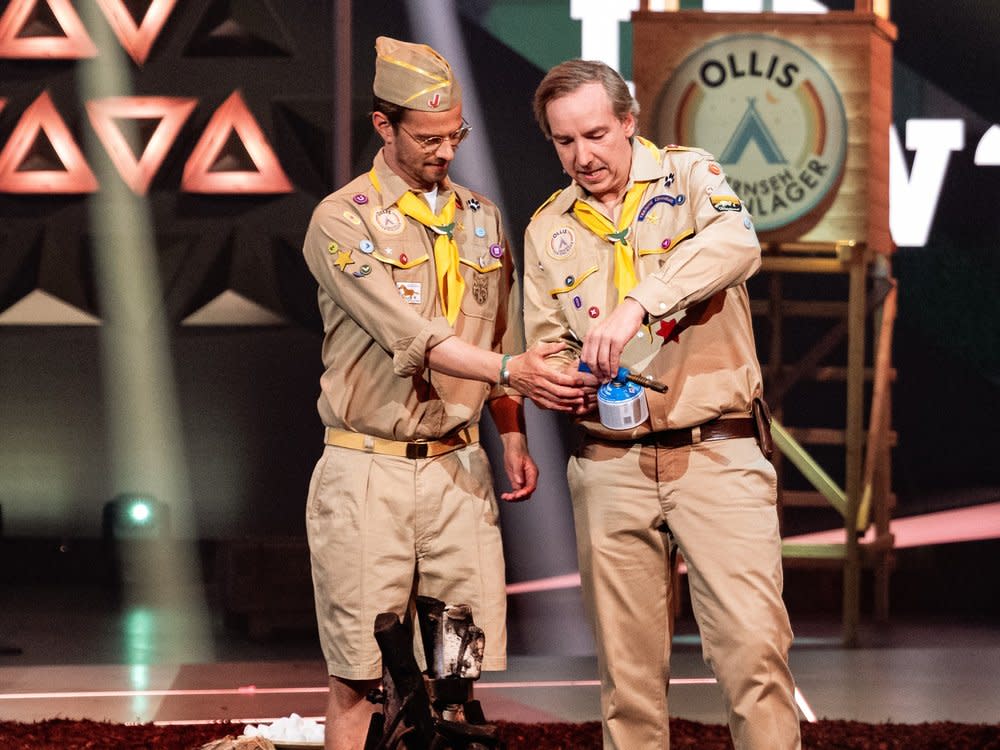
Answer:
(547, 202)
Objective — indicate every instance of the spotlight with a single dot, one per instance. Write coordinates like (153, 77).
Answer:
(135, 517)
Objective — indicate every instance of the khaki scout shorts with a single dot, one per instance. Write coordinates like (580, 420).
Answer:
(383, 529)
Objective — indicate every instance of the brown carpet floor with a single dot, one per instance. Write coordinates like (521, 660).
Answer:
(63, 734)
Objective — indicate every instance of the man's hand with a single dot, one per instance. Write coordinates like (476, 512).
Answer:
(520, 467)
(602, 348)
(535, 378)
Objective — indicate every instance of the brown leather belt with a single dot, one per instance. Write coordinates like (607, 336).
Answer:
(414, 449)
(717, 429)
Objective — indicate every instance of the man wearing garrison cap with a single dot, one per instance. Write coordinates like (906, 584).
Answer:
(422, 328)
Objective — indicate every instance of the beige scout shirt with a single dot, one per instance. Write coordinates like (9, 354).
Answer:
(695, 248)
(381, 310)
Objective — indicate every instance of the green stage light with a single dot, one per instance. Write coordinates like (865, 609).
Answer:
(140, 512)
(135, 517)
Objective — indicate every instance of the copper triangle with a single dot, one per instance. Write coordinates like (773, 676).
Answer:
(76, 43)
(137, 40)
(233, 115)
(42, 115)
(173, 113)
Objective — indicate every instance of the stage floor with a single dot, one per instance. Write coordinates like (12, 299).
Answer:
(65, 654)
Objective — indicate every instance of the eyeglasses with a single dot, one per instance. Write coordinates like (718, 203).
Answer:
(432, 143)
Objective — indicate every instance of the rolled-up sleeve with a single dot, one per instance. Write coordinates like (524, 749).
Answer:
(723, 252)
(364, 289)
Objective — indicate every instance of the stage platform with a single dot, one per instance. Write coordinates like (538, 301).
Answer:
(67, 656)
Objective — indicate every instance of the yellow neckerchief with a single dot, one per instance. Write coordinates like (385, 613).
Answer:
(451, 285)
(624, 276)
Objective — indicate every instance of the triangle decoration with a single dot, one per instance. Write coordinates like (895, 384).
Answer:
(233, 309)
(173, 112)
(70, 41)
(41, 116)
(40, 308)
(137, 40)
(202, 172)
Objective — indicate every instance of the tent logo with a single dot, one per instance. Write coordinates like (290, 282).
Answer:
(770, 114)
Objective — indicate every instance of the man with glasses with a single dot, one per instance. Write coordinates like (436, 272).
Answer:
(422, 327)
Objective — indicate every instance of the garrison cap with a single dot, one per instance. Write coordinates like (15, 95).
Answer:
(414, 76)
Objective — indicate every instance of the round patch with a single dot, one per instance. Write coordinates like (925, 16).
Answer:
(679, 200)
(480, 232)
(561, 243)
(666, 243)
(768, 111)
(594, 312)
(496, 251)
(403, 258)
(570, 280)
(366, 247)
(333, 247)
(577, 303)
(388, 220)
(360, 198)
(353, 218)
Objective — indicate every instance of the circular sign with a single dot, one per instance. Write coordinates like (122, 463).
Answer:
(769, 113)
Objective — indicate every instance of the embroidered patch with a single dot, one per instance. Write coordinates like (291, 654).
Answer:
(363, 271)
(496, 251)
(561, 243)
(668, 199)
(410, 291)
(388, 220)
(480, 289)
(474, 204)
(344, 259)
(353, 218)
(726, 203)
(594, 312)
(360, 198)
(366, 246)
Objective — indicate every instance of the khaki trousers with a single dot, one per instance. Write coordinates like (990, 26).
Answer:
(718, 501)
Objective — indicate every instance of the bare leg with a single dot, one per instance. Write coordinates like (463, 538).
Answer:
(348, 713)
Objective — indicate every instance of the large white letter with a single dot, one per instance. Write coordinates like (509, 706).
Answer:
(913, 198)
(599, 27)
(988, 150)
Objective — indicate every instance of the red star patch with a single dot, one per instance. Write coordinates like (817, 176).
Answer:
(668, 330)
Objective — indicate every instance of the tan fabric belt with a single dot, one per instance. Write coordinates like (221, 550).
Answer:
(416, 449)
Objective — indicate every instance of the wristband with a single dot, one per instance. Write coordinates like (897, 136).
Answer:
(504, 374)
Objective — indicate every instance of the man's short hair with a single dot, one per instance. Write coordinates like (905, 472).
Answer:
(567, 77)
(393, 112)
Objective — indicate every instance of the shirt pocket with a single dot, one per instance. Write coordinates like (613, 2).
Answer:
(408, 264)
(482, 287)
(581, 296)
